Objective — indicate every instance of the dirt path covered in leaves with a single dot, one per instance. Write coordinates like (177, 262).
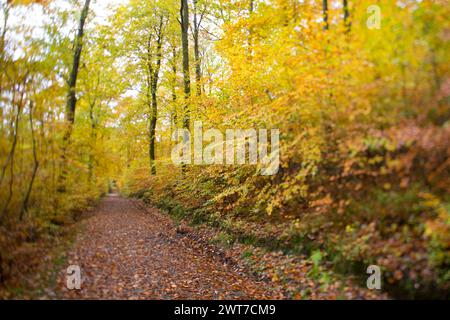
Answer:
(125, 252)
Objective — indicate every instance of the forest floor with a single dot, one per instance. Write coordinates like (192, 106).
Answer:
(125, 252)
(128, 250)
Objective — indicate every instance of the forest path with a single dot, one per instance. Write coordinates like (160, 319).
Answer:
(125, 252)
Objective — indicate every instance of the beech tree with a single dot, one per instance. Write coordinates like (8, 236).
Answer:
(184, 23)
(71, 92)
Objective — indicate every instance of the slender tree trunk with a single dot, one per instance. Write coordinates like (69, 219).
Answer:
(184, 12)
(71, 95)
(93, 138)
(15, 121)
(174, 75)
(347, 22)
(153, 118)
(325, 14)
(24, 208)
(174, 91)
(154, 101)
(198, 70)
(150, 102)
(2, 57)
(250, 30)
(12, 128)
(10, 159)
(3, 43)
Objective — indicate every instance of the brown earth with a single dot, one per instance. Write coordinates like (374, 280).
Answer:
(125, 252)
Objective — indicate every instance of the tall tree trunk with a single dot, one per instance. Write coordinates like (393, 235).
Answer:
(24, 208)
(14, 127)
(10, 159)
(93, 138)
(174, 75)
(154, 102)
(153, 118)
(325, 14)
(3, 43)
(347, 22)
(71, 94)
(174, 90)
(198, 70)
(184, 12)
(250, 30)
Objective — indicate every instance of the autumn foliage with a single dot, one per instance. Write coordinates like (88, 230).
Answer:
(363, 113)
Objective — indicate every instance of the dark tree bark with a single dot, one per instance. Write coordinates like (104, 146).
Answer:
(184, 13)
(3, 43)
(198, 71)
(24, 208)
(174, 90)
(325, 14)
(71, 94)
(93, 138)
(14, 125)
(93, 133)
(154, 79)
(174, 75)
(347, 22)
(10, 159)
